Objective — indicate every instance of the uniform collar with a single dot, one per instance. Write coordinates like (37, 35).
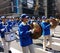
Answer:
(23, 23)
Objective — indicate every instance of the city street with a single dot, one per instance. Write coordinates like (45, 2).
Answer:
(15, 45)
(26, 18)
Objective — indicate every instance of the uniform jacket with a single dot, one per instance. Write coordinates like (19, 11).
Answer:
(25, 35)
(2, 32)
(9, 24)
(45, 28)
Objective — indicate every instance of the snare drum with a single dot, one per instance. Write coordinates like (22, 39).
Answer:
(10, 36)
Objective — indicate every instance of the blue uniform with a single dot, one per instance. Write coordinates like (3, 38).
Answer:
(1, 32)
(7, 28)
(25, 35)
(46, 28)
(31, 21)
(14, 22)
(10, 24)
(19, 22)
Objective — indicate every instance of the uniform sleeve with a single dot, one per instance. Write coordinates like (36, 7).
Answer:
(2, 29)
(23, 33)
(48, 25)
(43, 26)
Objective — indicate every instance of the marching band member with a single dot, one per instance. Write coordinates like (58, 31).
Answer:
(38, 20)
(46, 33)
(24, 34)
(3, 29)
(8, 28)
(9, 23)
(2, 34)
(30, 21)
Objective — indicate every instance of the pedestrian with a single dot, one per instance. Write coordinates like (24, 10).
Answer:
(25, 35)
(7, 46)
(46, 34)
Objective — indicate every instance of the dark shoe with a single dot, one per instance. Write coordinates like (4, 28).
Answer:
(49, 48)
(46, 49)
(10, 51)
(1, 49)
(52, 35)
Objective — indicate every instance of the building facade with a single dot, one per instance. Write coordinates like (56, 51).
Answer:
(20, 6)
(46, 7)
(9, 7)
(57, 3)
(51, 8)
(28, 6)
(5, 6)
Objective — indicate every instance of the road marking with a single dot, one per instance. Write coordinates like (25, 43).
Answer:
(56, 46)
(55, 43)
(15, 50)
(54, 38)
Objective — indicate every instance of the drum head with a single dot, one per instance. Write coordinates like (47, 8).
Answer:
(37, 30)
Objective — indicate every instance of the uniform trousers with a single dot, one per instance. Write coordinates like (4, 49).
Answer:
(47, 40)
(6, 46)
(28, 48)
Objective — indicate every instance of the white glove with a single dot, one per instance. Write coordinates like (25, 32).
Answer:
(32, 31)
(51, 23)
(2, 29)
(2, 22)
